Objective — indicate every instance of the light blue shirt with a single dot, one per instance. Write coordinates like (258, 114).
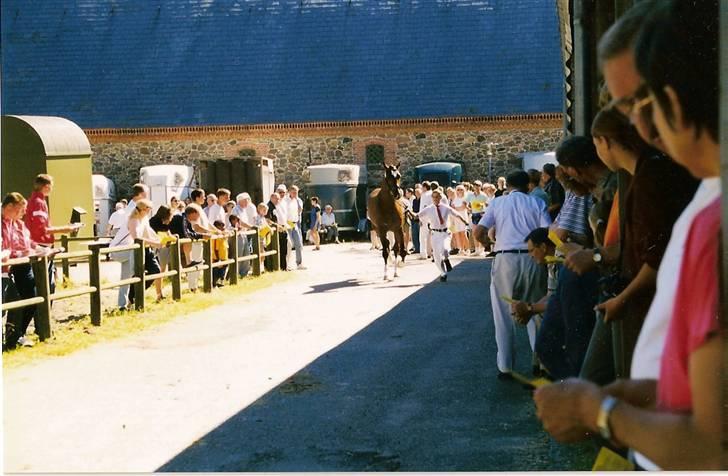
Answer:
(514, 216)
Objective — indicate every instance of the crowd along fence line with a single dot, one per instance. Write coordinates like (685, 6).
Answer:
(97, 250)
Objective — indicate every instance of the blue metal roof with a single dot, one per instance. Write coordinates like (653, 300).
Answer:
(137, 63)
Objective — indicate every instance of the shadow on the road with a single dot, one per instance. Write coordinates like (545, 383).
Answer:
(413, 391)
(347, 283)
(387, 286)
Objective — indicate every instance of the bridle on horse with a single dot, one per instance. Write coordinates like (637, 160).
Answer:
(394, 189)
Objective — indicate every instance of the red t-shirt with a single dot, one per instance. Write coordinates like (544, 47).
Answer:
(695, 318)
(37, 219)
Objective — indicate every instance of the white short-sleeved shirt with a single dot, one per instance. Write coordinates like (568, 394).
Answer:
(215, 212)
(458, 202)
(294, 209)
(281, 213)
(123, 225)
(117, 219)
(247, 215)
(514, 216)
(429, 215)
(651, 341)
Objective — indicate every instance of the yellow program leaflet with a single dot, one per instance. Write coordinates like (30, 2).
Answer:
(555, 239)
(608, 460)
(554, 259)
(508, 300)
(535, 383)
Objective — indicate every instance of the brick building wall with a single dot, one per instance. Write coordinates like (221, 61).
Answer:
(120, 153)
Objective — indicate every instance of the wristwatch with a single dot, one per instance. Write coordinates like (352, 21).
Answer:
(603, 417)
(597, 256)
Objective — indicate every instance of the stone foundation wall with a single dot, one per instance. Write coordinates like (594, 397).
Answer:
(120, 160)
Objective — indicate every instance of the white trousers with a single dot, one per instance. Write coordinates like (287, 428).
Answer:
(440, 249)
(425, 240)
(517, 276)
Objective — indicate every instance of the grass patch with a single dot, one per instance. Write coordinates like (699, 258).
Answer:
(76, 334)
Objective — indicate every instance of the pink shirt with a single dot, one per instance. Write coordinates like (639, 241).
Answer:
(695, 318)
(38, 219)
(16, 238)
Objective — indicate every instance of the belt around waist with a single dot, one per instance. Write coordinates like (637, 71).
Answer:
(441, 230)
(511, 251)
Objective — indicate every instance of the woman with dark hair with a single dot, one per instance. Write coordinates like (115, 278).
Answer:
(674, 419)
(160, 224)
(660, 191)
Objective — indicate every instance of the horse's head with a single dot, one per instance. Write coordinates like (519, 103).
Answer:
(391, 178)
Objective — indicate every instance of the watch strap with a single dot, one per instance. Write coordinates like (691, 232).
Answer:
(605, 411)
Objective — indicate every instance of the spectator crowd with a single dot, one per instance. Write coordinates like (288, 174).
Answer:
(27, 231)
(618, 283)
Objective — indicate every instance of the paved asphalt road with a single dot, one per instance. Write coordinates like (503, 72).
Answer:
(334, 370)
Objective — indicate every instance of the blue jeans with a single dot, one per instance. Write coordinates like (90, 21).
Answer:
(245, 248)
(415, 233)
(568, 323)
(126, 258)
(296, 242)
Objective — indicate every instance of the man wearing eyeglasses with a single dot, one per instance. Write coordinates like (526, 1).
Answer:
(629, 95)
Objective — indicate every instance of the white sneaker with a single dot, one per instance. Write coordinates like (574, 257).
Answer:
(25, 342)
(300, 266)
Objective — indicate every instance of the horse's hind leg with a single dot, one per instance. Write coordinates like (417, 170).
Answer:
(385, 252)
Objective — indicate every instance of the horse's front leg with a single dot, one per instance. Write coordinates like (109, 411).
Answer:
(385, 252)
(401, 245)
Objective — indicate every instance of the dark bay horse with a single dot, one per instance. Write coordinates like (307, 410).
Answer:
(386, 213)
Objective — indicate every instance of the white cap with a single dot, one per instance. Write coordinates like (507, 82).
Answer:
(281, 187)
(242, 196)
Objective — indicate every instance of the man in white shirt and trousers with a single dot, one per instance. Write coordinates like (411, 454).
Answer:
(436, 216)
(425, 239)
(514, 274)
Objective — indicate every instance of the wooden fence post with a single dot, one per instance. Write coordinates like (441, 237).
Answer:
(139, 272)
(94, 279)
(256, 252)
(233, 253)
(64, 262)
(277, 249)
(42, 288)
(207, 259)
(175, 263)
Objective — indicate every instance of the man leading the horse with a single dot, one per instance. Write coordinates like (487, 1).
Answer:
(435, 216)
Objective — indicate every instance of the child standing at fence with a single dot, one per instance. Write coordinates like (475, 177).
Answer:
(219, 253)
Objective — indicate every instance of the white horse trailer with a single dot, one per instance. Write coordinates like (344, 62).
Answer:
(167, 181)
(536, 160)
(104, 202)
